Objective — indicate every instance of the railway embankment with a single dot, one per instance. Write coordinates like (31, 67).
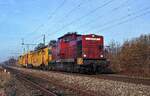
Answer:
(90, 84)
(11, 86)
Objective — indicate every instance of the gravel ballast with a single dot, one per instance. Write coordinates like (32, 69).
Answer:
(100, 87)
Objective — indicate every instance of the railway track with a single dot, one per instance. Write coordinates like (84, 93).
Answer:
(25, 78)
(43, 76)
(43, 90)
(114, 77)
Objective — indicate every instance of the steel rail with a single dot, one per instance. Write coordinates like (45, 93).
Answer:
(23, 77)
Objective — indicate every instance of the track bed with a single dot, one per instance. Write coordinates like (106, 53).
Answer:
(94, 85)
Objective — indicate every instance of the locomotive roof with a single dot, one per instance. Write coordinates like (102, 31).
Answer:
(75, 33)
(69, 34)
(93, 34)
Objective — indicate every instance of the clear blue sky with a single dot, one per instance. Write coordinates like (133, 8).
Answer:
(22, 18)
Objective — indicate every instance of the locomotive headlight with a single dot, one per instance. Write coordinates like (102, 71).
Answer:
(84, 55)
(101, 56)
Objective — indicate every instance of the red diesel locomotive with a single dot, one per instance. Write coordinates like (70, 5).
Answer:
(79, 53)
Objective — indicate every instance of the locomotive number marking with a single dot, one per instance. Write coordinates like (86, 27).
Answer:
(96, 39)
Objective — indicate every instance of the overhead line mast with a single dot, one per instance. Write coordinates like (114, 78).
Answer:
(44, 39)
(27, 45)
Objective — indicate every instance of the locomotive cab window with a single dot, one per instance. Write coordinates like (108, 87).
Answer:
(67, 39)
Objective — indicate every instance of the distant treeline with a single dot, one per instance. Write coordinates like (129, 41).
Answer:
(132, 57)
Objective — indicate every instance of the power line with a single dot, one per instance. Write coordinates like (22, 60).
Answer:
(40, 38)
(121, 5)
(80, 18)
(124, 17)
(50, 15)
(69, 13)
(126, 20)
(93, 21)
(75, 8)
(92, 11)
(54, 12)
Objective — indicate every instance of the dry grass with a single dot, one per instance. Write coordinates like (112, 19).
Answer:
(11, 86)
(4, 78)
(4, 81)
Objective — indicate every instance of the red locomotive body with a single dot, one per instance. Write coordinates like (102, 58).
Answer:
(79, 53)
(67, 47)
(92, 46)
